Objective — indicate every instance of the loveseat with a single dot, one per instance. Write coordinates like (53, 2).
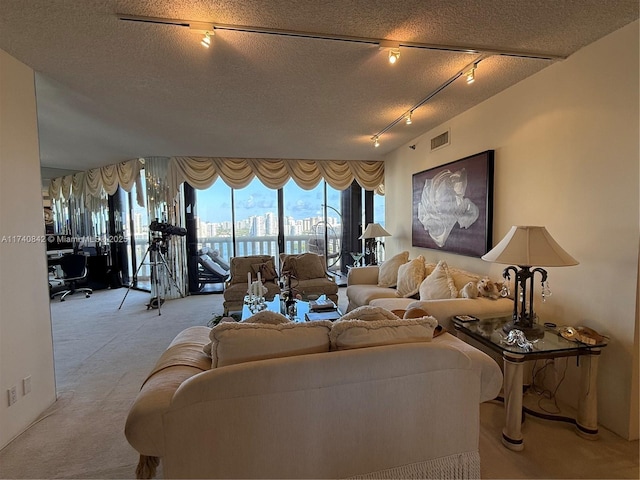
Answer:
(356, 398)
(435, 287)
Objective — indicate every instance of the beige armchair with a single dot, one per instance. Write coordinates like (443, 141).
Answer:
(309, 275)
(237, 284)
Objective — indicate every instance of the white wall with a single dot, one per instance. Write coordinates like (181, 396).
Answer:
(25, 320)
(567, 157)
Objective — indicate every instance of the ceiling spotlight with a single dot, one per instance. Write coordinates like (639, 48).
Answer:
(471, 74)
(376, 141)
(407, 119)
(394, 55)
(206, 40)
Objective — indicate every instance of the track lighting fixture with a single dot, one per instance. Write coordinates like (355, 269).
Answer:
(408, 118)
(471, 74)
(376, 142)
(394, 55)
(206, 40)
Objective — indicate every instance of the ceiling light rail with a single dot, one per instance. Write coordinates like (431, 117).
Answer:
(406, 116)
(210, 26)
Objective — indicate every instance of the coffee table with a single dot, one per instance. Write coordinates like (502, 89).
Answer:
(275, 305)
(489, 332)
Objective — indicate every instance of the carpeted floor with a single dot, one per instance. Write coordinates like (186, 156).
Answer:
(103, 354)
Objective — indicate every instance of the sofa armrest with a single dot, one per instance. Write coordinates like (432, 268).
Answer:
(363, 275)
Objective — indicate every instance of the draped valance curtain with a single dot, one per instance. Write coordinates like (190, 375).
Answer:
(92, 183)
(202, 172)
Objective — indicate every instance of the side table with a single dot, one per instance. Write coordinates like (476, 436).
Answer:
(489, 332)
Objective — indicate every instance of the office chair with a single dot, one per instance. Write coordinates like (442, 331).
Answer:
(74, 268)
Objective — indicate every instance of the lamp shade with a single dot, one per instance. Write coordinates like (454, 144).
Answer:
(374, 230)
(528, 246)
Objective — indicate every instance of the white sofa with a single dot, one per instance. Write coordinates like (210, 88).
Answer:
(401, 410)
(363, 289)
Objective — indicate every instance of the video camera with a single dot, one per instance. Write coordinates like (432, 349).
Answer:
(167, 229)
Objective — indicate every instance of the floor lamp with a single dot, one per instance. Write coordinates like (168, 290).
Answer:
(527, 246)
(370, 235)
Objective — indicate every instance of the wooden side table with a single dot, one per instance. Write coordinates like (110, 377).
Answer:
(489, 332)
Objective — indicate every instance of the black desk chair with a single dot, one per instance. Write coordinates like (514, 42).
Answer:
(74, 268)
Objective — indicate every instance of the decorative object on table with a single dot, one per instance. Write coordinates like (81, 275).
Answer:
(289, 295)
(371, 242)
(526, 246)
(453, 206)
(357, 257)
(321, 304)
(584, 335)
(517, 337)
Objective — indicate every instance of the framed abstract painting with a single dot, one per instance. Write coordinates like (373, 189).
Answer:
(453, 206)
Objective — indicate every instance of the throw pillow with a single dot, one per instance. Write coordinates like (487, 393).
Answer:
(439, 284)
(307, 266)
(388, 270)
(369, 313)
(246, 342)
(266, 270)
(348, 334)
(410, 276)
(462, 277)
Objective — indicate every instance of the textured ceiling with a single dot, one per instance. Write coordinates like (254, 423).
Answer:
(110, 90)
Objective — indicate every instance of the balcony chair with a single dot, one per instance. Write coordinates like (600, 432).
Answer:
(74, 268)
(309, 275)
(237, 285)
(211, 268)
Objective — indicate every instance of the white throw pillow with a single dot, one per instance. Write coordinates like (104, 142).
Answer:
(348, 334)
(388, 270)
(439, 284)
(246, 342)
(410, 276)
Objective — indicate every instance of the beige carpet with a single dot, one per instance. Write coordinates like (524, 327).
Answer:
(103, 354)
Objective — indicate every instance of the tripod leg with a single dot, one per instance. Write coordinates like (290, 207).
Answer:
(166, 267)
(135, 275)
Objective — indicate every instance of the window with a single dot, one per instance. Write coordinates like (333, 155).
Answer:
(256, 220)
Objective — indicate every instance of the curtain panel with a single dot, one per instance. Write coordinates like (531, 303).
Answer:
(92, 183)
(202, 172)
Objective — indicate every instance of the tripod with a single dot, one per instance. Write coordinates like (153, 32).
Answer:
(157, 249)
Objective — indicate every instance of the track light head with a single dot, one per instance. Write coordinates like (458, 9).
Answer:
(376, 141)
(394, 55)
(471, 74)
(206, 40)
(407, 118)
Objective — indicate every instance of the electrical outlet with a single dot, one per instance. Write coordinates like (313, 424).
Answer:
(13, 395)
(26, 385)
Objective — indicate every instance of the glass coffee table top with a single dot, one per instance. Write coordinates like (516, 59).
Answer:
(276, 305)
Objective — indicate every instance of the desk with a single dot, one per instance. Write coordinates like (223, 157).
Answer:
(488, 332)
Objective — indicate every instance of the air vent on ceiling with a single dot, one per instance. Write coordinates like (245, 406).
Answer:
(440, 141)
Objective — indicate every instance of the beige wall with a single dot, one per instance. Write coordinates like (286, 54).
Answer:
(25, 320)
(566, 156)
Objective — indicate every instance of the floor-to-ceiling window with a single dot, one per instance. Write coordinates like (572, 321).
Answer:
(139, 222)
(306, 229)
(214, 219)
(256, 220)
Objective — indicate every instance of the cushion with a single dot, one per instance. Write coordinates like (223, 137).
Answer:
(410, 276)
(234, 343)
(266, 270)
(439, 284)
(215, 256)
(368, 313)
(462, 277)
(388, 270)
(241, 266)
(348, 334)
(267, 317)
(212, 266)
(305, 266)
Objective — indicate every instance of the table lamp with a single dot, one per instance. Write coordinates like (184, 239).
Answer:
(527, 246)
(373, 231)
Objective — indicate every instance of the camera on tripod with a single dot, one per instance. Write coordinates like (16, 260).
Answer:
(167, 229)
